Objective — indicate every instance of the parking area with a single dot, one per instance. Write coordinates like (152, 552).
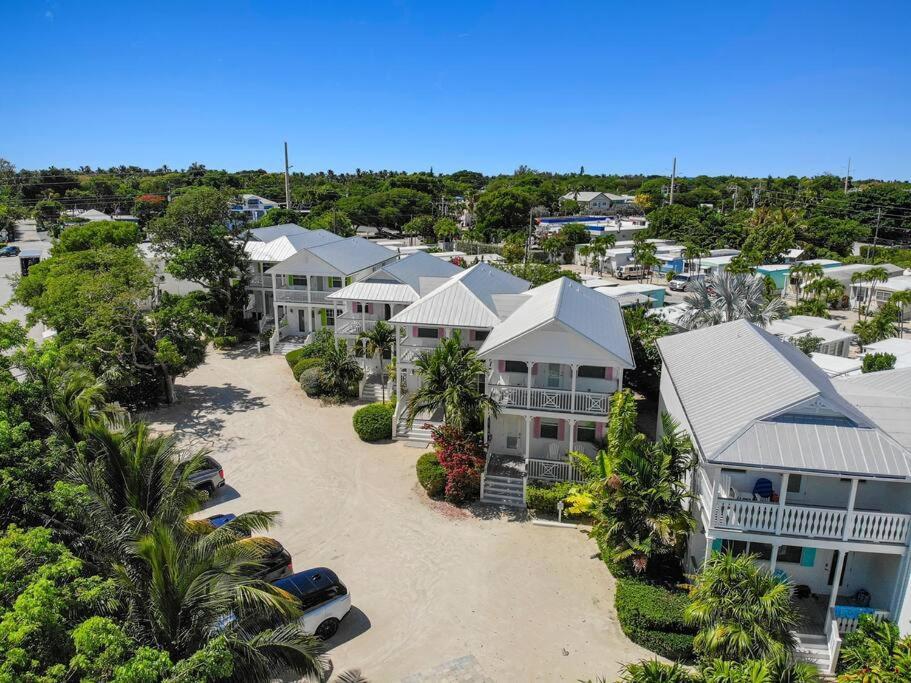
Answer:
(439, 593)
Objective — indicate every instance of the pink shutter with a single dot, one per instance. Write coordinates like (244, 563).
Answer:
(501, 365)
(369, 309)
(441, 332)
(534, 368)
(561, 429)
(536, 427)
(599, 430)
(414, 331)
(471, 334)
(354, 307)
(608, 373)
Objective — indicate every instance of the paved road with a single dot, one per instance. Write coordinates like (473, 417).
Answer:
(26, 238)
(440, 594)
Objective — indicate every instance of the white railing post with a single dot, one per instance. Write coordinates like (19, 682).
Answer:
(849, 518)
(782, 495)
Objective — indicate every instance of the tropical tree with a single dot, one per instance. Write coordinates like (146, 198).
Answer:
(693, 254)
(644, 254)
(379, 340)
(901, 300)
(599, 246)
(824, 288)
(875, 652)
(880, 326)
(742, 610)
(449, 380)
(655, 671)
(340, 371)
(784, 669)
(585, 251)
(868, 279)
(636, 492)
(724, 297)
(801, 273)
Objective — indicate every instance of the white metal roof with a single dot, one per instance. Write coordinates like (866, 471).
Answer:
(885, 397)
(835, 366)
(352, 254)
(272, 232)
(897, 347)
(731, 376)
(466, 300)
(382, 292)
(286, 246)
(579, 309)
(896, 284)
(410, 269)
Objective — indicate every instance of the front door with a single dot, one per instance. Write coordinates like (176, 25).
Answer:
(832, 566)
(553, 375)
(302, 320)
(387, 311)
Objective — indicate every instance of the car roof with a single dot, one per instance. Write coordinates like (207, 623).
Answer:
(221, 520)
(308, 581)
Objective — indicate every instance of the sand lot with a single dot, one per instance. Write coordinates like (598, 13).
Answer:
(439, 593)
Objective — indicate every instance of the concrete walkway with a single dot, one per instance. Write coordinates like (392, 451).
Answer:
(440, 593)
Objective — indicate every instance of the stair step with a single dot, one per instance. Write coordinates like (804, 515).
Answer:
(507, 502)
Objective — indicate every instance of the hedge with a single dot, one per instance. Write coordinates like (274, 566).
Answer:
(294, 356)
(431, 474)
(311, 383)
(305, 364)
(544, 499)
(652, 616)
(373, 422)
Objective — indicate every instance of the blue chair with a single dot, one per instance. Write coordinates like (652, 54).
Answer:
(763, 488)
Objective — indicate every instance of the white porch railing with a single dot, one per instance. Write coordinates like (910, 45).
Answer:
(848, 618)
(352, 325)
(553, 470)
(261, 281)
(810, 522)
(291, 296)
(555, 400)
(318, 296)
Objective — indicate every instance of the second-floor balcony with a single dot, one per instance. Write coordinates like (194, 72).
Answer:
(257, 280)
(352, 324)
(861, 520)
(550, 400)
(300, 295)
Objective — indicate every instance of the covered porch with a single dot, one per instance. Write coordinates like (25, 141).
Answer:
(543, 443)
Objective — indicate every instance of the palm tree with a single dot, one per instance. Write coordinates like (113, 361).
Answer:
(874, 277)
(636, 491)
(449, 380)
(742, 610)
(585, 251)
(692, 254)
(901, 300)
(340, 371)
(802, 273)
(644, 254)
(599, 247)
(725, 297)
(379, 340)
(654, 671)
(783, 669)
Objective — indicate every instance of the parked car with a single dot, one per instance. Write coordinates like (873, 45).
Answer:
(684, 281)
(209, 477)
(278, 563)
(631, 271)
(323, 598)
(9, 250)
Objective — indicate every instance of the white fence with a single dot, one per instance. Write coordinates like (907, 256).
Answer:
(554, 400)
(553, 470)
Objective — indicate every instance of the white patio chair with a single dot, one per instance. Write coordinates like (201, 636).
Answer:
(555, 451)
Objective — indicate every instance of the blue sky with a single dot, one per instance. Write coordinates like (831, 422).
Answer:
(744, 87)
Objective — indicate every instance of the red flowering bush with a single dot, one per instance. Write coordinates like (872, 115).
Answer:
(462, 458)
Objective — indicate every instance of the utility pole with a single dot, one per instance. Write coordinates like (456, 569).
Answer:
(848, 175)
(879, 215)
(755, 197)
(673, 178)
(287, 181)
(735, 190)
(528, 236)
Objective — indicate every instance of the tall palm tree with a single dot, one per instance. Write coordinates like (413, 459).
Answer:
(599, 247)
(803, 273)
(644, 254)
(378, 341)
(449, 380)
(874, 277)
(742, 610)
(585, 251)
(725, 296)
(901, 300)
(340, 371)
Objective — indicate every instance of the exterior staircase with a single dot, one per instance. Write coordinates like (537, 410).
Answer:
(814, 649)
(373, 390)
(507, 491)
(288, 344)
(416, 436)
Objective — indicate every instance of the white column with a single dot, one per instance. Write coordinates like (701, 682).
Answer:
(774, 559)
(363, 316)
(849, 517)
(781, 498)
(572, 397)
(485, 428)
(528, 397)
(527, 437)
(572, 429)
(274, 303)
(308, 289)
(836, 581)
(708, 549)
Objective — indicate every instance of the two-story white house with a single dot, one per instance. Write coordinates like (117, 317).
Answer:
(253, 206)
(597, 202)
(810, 474)
(301, 283)
(554, 363)
(267, 247)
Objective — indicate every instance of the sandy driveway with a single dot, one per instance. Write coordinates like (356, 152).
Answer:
(440, 594)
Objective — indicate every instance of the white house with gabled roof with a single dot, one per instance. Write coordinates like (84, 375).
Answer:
(302, 282)
(811, 474)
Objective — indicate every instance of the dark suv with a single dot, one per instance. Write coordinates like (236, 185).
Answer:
(323, 598)
(209, 477)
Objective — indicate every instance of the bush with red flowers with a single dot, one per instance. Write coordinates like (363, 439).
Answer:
(462, 457)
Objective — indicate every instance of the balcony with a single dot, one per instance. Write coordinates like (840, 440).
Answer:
(806, 521)
(300, 295)
(351, 324)
(550, 400)
(261, 281)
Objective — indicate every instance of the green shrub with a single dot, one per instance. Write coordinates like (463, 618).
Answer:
(374, 422)
(544, 498)
(293, 357)
(225, 342)
(431, 474)
(311, 383)
(305, 364)
(652, 616)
